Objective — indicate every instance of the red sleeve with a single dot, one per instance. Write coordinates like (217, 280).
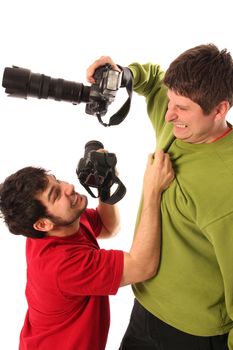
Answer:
(91, 272)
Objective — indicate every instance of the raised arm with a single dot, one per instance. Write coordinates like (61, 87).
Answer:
(110, 218)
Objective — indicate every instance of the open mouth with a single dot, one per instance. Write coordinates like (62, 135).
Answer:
(180, 126)
(74, 200)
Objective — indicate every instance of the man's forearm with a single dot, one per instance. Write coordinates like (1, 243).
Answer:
(110, 218)
(145, 248)
(143, 258)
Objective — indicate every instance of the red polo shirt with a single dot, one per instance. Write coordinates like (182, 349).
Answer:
(68, 283)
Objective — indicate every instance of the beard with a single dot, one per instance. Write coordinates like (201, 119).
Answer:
(58, 221)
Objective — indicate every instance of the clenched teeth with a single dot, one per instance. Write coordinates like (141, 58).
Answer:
(181, 126)
(74, 200)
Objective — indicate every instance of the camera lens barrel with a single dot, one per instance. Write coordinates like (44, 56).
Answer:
(16, 81)
(92, 146)
(20, 82)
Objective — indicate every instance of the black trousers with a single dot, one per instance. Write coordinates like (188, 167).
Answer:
(147, 332)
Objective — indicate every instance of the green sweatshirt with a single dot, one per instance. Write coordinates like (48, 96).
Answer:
(193, 290)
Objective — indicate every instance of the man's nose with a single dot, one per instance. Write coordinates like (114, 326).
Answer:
(170, 115)
(68, 188)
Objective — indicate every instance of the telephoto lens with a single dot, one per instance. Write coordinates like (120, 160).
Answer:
(21, 82)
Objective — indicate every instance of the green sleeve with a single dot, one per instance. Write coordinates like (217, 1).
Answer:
(220, 234)
(147, 78)
(148, 82)
(230, 339)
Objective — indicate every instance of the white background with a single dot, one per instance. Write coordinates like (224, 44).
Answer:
(60, 39)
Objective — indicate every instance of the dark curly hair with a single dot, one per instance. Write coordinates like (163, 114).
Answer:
(18, 204)
(204, 74)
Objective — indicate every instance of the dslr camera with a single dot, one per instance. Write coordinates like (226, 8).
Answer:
(21, 82)
(97, 169)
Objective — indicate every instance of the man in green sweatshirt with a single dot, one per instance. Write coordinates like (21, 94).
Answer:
(188, 305)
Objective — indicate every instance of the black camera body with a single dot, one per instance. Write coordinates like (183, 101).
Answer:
(20, 82)
(97, 169)
(103, 91)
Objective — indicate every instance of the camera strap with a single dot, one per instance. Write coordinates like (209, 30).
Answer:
(119, 116)
(108, 161)
(103, 177)
(105, 192)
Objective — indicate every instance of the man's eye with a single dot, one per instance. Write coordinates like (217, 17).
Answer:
(57, 195)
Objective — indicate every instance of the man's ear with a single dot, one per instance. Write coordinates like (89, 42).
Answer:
(43, 224)
(222, 109)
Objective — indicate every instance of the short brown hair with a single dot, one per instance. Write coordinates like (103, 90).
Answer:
(18, 204)
(204, 74)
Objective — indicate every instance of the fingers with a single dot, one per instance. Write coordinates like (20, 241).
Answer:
(102, 150)
(98, 63)
(159, 172)
(165, 168)
(157, 158)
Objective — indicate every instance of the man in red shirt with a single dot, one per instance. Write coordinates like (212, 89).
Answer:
(69, 277)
